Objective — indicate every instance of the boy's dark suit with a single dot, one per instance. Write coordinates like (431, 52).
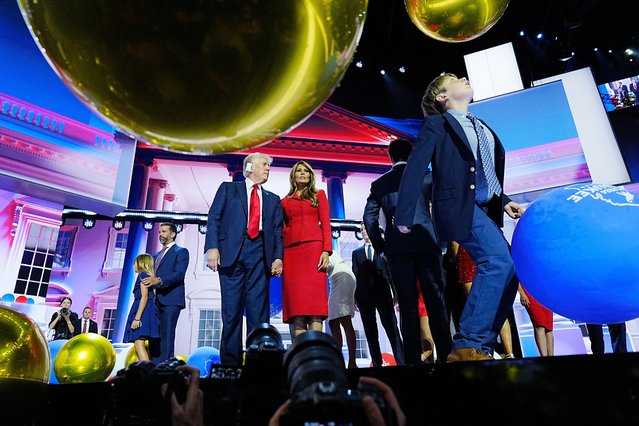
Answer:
(411, 257)
(373, 293)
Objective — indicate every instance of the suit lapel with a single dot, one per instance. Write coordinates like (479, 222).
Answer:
(241, 189)
(459, 131)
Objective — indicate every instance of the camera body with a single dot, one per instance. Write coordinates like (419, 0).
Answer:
(64, 311)
(326, 403)
(136, 392)
(319, 387)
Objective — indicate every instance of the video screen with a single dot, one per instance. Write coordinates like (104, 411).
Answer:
(537, 129)
(619, 94)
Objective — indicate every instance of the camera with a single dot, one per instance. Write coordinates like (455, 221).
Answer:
(319, 389)
(64, 311)
(136, 392)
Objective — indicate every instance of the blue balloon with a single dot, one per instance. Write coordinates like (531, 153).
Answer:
(275, 295)
(54, 347)
(203, 358)
(575, 251)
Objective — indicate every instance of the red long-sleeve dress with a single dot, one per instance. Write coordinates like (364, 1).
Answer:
(307, 232)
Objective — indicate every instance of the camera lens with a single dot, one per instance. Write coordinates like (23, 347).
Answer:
(264, 337)
(64, 310)
(314, 358)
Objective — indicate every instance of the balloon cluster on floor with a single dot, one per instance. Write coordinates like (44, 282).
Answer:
(25, 354)
(200, 76)
(575, 251)
(455, 21)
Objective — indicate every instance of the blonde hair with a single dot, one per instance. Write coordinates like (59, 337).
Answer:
(308, 193)
(144, 263)
(430, 105)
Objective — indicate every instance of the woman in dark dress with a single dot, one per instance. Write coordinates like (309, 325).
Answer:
(63, 321)
(142, 323)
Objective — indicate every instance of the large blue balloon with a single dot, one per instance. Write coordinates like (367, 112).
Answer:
(203, 358)
(54, 347)
(575, 250)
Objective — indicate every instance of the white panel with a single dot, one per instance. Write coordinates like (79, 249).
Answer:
(493, 71)
(600, 147)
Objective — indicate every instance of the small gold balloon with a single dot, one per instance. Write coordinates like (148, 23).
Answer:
(455, 20)
(200, 76)
(87, 357)
(24, 353)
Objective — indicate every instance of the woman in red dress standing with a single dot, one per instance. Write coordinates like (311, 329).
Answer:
(307, 247)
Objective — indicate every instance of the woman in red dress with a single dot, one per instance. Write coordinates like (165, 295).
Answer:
(307, 247)
(542, 321)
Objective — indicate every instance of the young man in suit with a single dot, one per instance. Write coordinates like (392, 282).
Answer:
(86, 324)
(373, 293)
(244, 245)
(467, 162)
(411, 257)
(171, 263)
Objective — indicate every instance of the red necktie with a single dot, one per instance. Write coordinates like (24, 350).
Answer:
(254, 214)
(84, 329)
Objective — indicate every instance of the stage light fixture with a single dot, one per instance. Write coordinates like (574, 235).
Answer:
(359, 64)
(382, 72)
(148, 226)
(402, 69)
(539, 36)
(202, 228)
(118, 224)
(359, 236)
(179, 227)
(521, 33)
(88, 222)
(336, 233)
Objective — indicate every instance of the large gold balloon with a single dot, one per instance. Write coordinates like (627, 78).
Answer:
(24, 353)
(200, 76)
(87, 357)
(455, 20)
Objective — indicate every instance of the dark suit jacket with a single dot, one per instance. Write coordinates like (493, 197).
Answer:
(228, 217)
(368, 273)
(443, 143)
(172, 270)
(93, 326)
(383, 197)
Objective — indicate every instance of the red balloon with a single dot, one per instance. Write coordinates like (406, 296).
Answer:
(21, 299)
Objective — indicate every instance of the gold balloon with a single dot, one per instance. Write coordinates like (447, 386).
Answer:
(24, 353)
(200, 76)
(455, 20)
(87, 357)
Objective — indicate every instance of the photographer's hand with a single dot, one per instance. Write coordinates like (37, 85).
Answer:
(191, 412)
(373, 413)
(275, 420)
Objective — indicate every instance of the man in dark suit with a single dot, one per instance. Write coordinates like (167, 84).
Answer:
(467, 162)
(171, 263)
(244, 245)
(617, 338)
(374, 293)
(85, 324)
(411, 257)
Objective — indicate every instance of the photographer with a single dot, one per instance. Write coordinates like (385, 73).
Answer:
(63, 320)
(372, 411)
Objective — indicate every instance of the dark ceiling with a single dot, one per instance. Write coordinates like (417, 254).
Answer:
(390, 40)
